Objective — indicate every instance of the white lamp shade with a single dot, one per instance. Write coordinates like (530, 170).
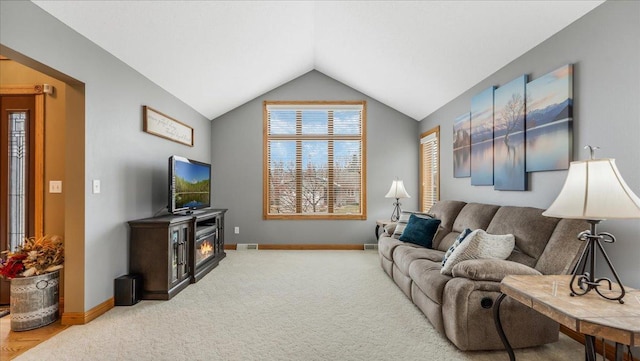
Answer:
(595, 190)
(397, 190)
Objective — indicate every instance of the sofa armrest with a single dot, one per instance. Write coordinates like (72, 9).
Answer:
(491, 269)
(389, 228)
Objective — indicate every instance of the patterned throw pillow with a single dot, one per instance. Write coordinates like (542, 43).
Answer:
(404, 219)
(461, 237)
(480, 245)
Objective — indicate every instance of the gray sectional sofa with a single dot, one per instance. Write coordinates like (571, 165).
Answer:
(460, 305)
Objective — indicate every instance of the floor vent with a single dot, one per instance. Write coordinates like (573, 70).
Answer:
(246, 246)
(370, 247)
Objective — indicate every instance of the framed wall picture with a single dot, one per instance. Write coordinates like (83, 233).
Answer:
(462, 146)
(162, 125)
(549, 120)
(482, 138)
(508, 136)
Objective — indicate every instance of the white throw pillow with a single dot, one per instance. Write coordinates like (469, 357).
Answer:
(480, 245)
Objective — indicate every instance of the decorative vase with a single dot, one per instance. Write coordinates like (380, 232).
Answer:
(34, 301)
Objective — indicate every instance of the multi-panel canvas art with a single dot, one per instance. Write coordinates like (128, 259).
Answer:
(549, 120)
(509, 136)
(482, 138)
(462, 146)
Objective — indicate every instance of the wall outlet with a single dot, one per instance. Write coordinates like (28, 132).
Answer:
(236, 230)
(55, 186)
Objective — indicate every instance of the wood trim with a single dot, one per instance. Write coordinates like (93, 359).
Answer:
(81, 318)
(22, 89)
(421, 179)
(298, 136)
(363, 161)
(265, 160)
(610, 349)
(39, 165)
(304, 247)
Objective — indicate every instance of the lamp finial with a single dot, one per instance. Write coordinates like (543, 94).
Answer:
(592, 151)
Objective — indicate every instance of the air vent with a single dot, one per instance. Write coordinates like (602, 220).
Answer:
(370, 247)
(246, 246)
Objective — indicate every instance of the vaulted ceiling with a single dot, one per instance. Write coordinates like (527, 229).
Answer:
(414, 56)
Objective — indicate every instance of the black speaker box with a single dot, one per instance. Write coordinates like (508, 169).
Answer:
(127, 290)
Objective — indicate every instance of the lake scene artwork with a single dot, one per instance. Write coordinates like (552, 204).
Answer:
(509, 136)
(482, 138)
(549, 121)
(462, 146)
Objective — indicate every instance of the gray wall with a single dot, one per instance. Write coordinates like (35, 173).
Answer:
(604, 47)
(236, 146)
(131, 164)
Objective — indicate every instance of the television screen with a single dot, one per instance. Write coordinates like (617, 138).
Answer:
(189, 183)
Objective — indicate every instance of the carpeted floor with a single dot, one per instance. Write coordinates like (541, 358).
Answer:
(277, 305)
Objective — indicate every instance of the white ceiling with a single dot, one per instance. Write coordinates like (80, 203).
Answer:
(414, 56)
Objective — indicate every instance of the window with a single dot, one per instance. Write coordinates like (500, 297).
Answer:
(429, 168)
(314, 160)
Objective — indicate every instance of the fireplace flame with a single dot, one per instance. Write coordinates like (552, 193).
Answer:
(206, 248)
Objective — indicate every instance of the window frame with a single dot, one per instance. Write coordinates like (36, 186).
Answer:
(436, 131)
(363, 168)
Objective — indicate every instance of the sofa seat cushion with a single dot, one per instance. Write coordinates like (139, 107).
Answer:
(404, 255)
(427, 277)
(386, 246)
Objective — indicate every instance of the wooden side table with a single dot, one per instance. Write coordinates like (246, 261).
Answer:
(589, 314)
(382, 223)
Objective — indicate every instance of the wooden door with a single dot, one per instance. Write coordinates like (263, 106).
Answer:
(18, 174)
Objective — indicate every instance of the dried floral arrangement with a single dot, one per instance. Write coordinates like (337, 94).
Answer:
(34, 257)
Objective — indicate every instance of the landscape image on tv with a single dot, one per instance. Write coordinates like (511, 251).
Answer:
(192, 185)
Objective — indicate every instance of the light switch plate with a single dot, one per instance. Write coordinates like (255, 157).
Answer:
(55, 186)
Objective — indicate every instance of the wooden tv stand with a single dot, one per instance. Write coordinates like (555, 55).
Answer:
(171, 251)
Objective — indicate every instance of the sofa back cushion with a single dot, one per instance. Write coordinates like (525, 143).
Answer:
(563, 249)
(446, 212)
(531, 229)
(472, 216)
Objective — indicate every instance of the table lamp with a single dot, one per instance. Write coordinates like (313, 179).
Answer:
(594, 191)
(397, 191)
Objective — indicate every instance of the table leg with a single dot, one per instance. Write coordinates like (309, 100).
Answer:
(496, 319)
(589, 348)
(619, 351)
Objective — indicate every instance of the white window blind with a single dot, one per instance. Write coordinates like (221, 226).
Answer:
(314, 160)
(429, 168)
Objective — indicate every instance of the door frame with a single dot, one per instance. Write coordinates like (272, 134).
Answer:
(38, 90)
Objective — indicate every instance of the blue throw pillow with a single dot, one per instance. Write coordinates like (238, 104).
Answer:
(420, 231)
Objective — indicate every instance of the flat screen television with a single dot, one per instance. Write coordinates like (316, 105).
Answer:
(189, 185)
